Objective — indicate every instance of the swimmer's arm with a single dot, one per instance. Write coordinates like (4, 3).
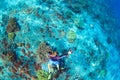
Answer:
(60, 57)
(51, 55)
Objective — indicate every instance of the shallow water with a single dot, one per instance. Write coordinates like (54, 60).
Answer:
(30, 30)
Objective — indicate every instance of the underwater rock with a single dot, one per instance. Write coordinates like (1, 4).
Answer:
(60, 16)
(62, 33)
(48, 1)
(71, 36)
(4, 19)
(79, 23)
(68, 14)
(23, 51)
(75, 6)
(12, 26)
(92, 75)
(67, 77)
(103, 72)
(10, 56)
(28, 10)
(5, 43)
(12, 46)
(109, 40)
(27, 46)
(97, 42)
(20, 44)
(37, 66)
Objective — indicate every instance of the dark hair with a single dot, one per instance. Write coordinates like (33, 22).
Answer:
(49, 53)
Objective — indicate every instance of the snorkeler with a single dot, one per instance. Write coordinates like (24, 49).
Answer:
(54, 59)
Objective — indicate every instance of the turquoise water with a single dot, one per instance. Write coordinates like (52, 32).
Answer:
(29, 30)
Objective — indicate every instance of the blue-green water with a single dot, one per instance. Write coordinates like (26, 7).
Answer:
(30, 30)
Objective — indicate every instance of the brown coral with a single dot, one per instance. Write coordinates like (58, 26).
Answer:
(12, 25)
(27, 46)
(9, 56)
(43, 51)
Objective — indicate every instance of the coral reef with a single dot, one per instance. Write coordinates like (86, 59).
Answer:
(27, 46)
(43, 51)
(103, 73)
(8, 56)
(77, 5)
(71, 36)
(42, 75)
(79, 23)
(11, 35)
(64, 24)
(12, 26)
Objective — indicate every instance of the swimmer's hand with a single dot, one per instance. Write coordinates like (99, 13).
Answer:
(70, 52)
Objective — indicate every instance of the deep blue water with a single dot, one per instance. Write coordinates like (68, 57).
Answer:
(116, 9)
